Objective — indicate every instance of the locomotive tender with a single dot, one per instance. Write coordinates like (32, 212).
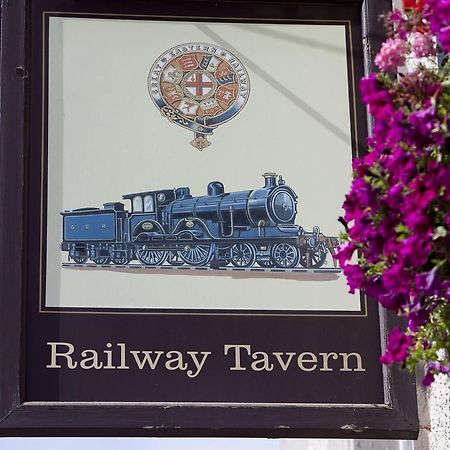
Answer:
(172, 227)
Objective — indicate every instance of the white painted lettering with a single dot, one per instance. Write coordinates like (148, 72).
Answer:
(325, 357)
(90, 360)
(54, 354)
(175, 362)
(198, 364)
(307, 357)
(261, 362)
(123, 356)
(345, 358)
(284, 364)
(237, 355)
(147, 359)
(109, 360)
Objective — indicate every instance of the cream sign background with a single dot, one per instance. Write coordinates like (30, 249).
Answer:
(106, 139)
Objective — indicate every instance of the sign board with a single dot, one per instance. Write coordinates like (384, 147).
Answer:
(153, 283)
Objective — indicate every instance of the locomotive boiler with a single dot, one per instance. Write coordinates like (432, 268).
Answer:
(173, 227)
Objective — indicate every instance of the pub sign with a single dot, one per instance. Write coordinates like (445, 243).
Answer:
(181, 168)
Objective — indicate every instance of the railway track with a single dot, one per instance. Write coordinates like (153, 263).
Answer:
(139, 267)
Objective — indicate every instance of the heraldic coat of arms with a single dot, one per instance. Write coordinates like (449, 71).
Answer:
(199, 86)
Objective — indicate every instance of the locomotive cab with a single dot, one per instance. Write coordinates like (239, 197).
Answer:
(147, 210)
(150, 201)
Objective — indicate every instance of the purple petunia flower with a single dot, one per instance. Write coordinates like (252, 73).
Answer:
(433, 368)
(428, 379)
(396, 279)
(355, 277)
(428, 282)
(392, 300)
(396, 212)
(438, 15)
(397, 347)
(345, 253)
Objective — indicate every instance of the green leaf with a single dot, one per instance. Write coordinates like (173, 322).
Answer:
(440, 232)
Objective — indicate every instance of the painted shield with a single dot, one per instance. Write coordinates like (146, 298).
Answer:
(199, 86)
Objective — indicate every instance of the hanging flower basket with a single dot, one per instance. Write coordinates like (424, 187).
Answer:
(397, 213)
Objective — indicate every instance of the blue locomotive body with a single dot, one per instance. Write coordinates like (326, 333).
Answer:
(173, 227)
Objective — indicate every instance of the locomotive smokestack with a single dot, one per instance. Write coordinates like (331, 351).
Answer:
(270, 179)
(215, 188)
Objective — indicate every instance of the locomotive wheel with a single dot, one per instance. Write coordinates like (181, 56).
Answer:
(80, 259)
(150, 257)
(313, 259)
(174, 259)
(196, 254)
(243, 255)
(284, 255)
(120, 261)
(101, 261)
(224, 256)
(264, 263)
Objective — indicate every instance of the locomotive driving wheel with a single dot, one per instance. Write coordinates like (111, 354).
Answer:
(264, 263)
(101, 261)
(313, 258)
(150, 257)
(196, 254)
(243, 255)
(284, 255)
(80, 259)
(122, 261)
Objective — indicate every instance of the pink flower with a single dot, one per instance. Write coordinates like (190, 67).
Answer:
(422, 44)
(391, 55)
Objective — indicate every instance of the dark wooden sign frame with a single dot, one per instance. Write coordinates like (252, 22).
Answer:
(395, 418)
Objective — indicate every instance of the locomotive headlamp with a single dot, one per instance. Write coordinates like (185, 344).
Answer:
(189, 223)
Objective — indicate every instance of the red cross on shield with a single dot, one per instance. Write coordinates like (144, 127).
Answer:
(198, 84)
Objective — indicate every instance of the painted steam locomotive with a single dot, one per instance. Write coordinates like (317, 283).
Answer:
(173, 227)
